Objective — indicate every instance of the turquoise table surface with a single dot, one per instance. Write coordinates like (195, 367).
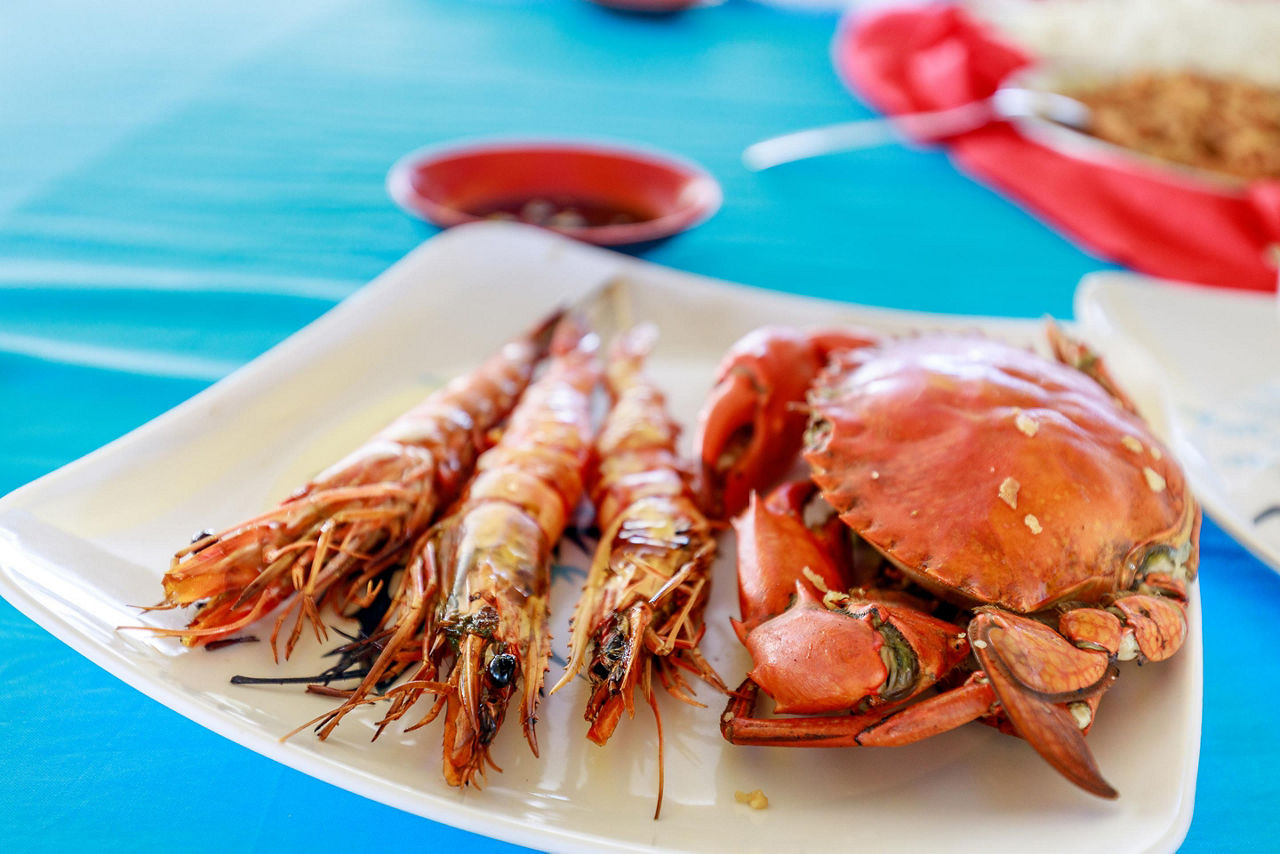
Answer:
(184, 185)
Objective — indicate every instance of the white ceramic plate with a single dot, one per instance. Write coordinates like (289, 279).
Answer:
(1214, 356)
(82, 546)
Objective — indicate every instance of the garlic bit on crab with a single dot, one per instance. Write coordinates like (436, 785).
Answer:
(994, 531)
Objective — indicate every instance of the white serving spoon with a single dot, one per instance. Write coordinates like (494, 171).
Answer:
(1006, 103)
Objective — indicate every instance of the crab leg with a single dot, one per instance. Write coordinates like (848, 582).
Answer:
(1034, 672)
(1148, 622)
(1030, 666)
(819, 661)
(1084, 359)
(649, 581)
(886, 727)
(1151, 628)
(739, 725)
(353, 519)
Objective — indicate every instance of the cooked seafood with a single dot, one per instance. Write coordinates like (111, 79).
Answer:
(328, 541)
(751, 427)
(646, 589)
(474, 610)
(1021, 497)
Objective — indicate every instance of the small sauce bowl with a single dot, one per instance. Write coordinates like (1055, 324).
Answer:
(653, 7)
(596, 193)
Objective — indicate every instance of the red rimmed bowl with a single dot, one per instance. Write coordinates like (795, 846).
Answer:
(653, 7)
(597, 193)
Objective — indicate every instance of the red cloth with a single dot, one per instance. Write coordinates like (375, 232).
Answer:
(924, 58)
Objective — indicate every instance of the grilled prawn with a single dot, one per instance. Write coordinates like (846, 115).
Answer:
(478, 582)
(329, 540)
(641, 609)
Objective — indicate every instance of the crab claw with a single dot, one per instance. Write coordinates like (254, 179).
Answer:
(813, 659)
(777, 551)
(1034, 672)
(752, 425)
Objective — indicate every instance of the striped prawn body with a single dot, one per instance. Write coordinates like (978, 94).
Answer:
(328, 540)
(641, 609)
(473, 604)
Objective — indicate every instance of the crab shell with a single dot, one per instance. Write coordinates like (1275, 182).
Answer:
(990, 475)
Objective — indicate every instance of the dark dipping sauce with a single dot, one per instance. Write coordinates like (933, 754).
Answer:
(559, 212)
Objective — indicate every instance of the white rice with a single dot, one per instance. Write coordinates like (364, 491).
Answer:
(1235, 38)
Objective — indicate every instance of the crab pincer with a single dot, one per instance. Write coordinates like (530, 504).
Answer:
(752, 424)
(819, 644)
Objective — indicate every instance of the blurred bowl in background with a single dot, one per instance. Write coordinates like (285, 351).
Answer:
(1081, 145)
(597, 193)
(658, 7)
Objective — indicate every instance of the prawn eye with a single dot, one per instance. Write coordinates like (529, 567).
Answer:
(501, 668)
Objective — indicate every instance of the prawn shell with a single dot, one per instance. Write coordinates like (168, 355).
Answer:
(333, 534)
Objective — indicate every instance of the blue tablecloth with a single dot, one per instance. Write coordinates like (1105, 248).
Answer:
(184, 185)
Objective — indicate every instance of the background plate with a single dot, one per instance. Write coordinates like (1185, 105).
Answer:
(1214, 359)
(84, 545)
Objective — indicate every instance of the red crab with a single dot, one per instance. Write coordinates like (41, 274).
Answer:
(1020, 498)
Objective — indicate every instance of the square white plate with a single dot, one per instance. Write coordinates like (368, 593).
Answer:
(82, 546)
